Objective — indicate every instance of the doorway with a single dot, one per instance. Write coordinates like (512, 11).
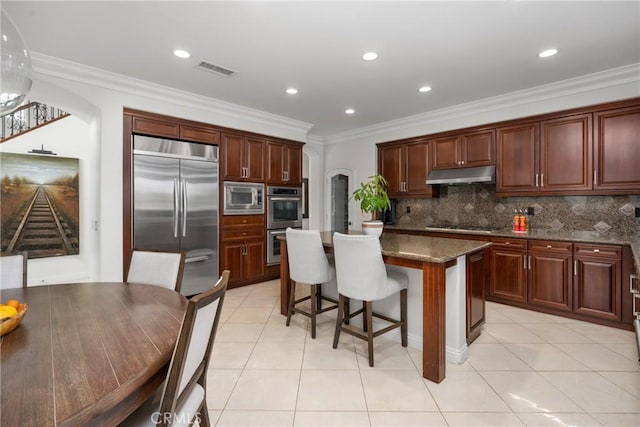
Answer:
(340, 183)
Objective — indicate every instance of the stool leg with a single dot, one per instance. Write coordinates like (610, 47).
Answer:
(369, 323)
(292, 299)
(403, 316)
(365, 327)
(319, 298)
(314, 289)
(347, 309)
(339, 320)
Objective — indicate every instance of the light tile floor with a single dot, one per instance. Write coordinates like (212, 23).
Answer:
(526, 368)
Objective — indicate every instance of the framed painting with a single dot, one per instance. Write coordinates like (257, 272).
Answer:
(40, 209)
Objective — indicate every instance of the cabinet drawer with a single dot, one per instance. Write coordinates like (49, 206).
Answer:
(190, 133)
(509, 243)
(550, 246)
(238, 221)
(155, 128)
(249, 233)
(599, 250)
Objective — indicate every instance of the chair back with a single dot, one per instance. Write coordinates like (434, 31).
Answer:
(307, 260)
(360, 269)
(13, 270)
(190, 361)
(159, 268)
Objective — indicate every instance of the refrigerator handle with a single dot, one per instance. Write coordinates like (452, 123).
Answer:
(176, 206)
(184, 207)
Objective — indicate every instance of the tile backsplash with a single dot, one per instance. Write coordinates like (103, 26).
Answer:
(477, 205)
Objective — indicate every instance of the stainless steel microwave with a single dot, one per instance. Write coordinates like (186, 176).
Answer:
(243, 198)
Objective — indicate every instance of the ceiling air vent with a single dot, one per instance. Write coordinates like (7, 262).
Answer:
(213, 68)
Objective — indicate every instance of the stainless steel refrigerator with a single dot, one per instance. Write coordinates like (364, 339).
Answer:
(175, 201)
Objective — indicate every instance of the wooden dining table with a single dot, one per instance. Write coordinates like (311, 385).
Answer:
(86, 353)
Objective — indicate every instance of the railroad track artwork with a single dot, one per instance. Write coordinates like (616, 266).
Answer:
(42, 230)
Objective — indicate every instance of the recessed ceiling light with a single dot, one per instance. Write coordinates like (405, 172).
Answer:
(349, 111)
(292, 91)
(547, 53)
(424, 89)
(370, 56)
(181, 53)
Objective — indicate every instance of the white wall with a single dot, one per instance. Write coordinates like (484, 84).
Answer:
(68, 137)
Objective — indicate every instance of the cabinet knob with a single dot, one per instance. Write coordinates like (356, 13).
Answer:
(507, 243)
(244, 221)
(549, 246)
(596, 250)
(244, 234)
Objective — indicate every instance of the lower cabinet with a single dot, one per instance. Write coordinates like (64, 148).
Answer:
(242, 248)
(508, 278)
(477, 273)
(597, 284)
(549, 279)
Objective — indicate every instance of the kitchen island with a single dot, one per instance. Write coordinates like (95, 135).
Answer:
(442, 263)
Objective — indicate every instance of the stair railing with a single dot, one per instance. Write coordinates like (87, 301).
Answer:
(28, 117)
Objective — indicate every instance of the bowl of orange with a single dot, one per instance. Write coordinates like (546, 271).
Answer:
(11, 314)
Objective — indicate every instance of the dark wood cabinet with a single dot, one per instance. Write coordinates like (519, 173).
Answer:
(566, 154)
(549, 280)
(242, 248)
(406, 167)
(242, 158)
(465, 150)
(508, 278)
(152, 127)
(516, 158)
(597, 286)
(477, 274)
(199, 134)
(284, 164)
(617, 150)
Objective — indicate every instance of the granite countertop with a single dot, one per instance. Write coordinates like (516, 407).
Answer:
(421, 248)
(572, 236)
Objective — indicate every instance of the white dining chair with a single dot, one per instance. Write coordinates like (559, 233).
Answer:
(159, 268)
(362, 275)
(13, 270)
(308, 266)
(182, 398)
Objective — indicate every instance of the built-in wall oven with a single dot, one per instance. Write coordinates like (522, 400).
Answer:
(284, 209)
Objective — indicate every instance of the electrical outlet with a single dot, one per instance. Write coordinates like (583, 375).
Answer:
(408, 209)
(637, 211)
(530, 210)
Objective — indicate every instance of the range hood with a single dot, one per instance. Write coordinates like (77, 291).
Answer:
(462, 175)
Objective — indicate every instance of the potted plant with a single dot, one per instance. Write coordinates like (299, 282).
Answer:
(374, 200)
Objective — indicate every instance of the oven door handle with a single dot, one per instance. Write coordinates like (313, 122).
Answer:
(284, 199)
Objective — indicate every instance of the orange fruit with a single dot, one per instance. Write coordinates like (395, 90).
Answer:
(7, 311)
(13, 303)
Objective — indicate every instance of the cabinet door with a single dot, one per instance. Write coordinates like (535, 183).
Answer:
(155, 128)
(549, 282)
(231, 162)
(197, 134)
(294, 165)
(418, 167)
(275, 162)
(254, 159)
(477, 274)
(231, 259)
(617, 150)
(254, 259)
(391, 166)
(517, 158)
(445, 153)
(478, 148)
(508, 279)
(597, 287)
(566, 153)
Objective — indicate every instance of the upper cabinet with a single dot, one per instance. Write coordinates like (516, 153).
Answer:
(161, 128)
(284, 163)
(242, 158)
(464, 150)
(617, 149)
(545, 157)
(406, 166)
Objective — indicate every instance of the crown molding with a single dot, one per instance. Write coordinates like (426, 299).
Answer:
(79, 73)
(590, 82)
